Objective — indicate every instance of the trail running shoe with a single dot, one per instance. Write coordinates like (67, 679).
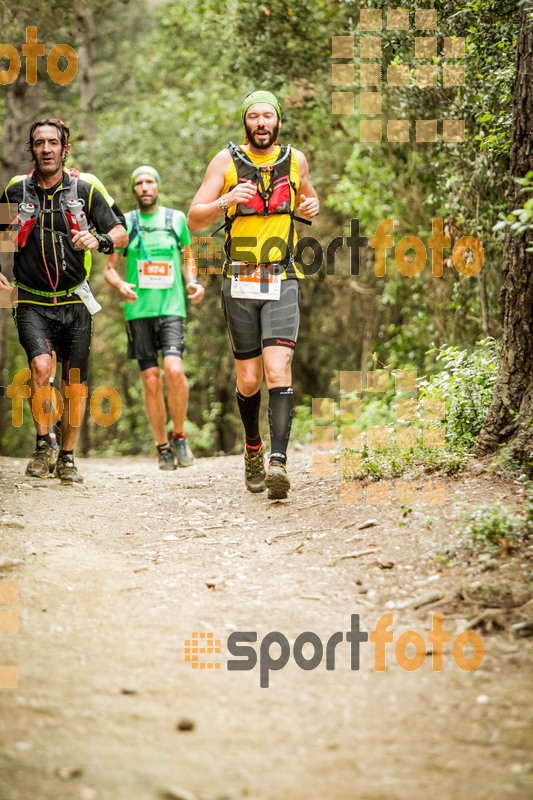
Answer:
(254, 469)
(66, 470)
(166, 459)
(277, 481)
(43, 460)
(182, 452)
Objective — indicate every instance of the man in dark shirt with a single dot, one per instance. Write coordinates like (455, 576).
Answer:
(54, 301)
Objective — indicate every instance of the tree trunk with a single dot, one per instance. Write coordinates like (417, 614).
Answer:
(511, 413)
(23, 103)
(85, 51)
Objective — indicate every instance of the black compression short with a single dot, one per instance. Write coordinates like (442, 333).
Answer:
(67, 329)
(255, 324)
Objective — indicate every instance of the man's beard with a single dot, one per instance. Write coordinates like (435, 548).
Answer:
(260, 144)
(145, 205)
(49, 168)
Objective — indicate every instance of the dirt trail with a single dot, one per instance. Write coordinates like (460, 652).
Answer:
(112, 582)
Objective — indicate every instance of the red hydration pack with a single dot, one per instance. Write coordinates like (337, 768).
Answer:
(275, 193)
(31, 196)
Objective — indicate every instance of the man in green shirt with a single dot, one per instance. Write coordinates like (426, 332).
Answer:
(155, 309)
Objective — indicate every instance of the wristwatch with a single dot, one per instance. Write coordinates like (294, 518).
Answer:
(105, 243)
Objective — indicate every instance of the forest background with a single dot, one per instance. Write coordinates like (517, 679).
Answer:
(162, 83)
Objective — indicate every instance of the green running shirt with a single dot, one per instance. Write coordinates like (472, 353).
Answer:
(159, 245)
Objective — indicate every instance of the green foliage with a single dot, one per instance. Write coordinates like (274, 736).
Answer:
(520, 220)
(376, 412)
(406, 511)
(369, 190)
(465, 385)
(302, 423)
(462, 183)
(172, 98)
(493, 527)
(203, 439)
(393, 462)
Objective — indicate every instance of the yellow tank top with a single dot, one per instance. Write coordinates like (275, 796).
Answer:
(262, 228)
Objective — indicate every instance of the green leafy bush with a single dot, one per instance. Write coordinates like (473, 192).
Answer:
(392, 462)
(466, 386)
(302, 423)
(521, 219)
(492, 527)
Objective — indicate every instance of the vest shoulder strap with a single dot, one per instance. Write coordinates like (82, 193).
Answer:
(71, 193)
(136, 228)
(134, 216)
(238, 152)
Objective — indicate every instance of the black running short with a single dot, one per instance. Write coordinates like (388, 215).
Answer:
(149, 334)
(254, 324)
(65, 328)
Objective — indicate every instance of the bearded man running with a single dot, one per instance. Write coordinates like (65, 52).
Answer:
(261, 188)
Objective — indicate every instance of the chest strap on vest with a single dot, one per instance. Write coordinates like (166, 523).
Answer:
(20, 285)
(137, 231)
(66, 193)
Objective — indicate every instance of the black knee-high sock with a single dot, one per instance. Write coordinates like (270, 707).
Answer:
(249, 411)
(280, 414)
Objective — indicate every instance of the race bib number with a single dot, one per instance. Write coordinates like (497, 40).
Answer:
(255, 281)
(155, 274)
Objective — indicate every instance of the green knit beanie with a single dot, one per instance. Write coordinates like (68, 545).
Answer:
(145, 170)
(261, 96)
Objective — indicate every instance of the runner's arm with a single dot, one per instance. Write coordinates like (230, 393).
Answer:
(119, 236)
(104, 220)
(126, 290)
(195, 289)
(6, 213)
(205, 208)
(307, 204)
(118, 213)
(87, 241)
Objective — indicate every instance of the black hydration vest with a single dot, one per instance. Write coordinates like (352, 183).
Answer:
(274, 196)
(30, 195)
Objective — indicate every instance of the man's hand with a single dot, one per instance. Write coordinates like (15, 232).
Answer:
(83, 240)
(4, 283)
(128, 293)
(309, 207)
(196, 291)
(242, 193)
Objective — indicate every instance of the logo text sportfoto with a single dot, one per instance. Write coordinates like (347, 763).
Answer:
(33, 50)
(467, 253)
(247, 657)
